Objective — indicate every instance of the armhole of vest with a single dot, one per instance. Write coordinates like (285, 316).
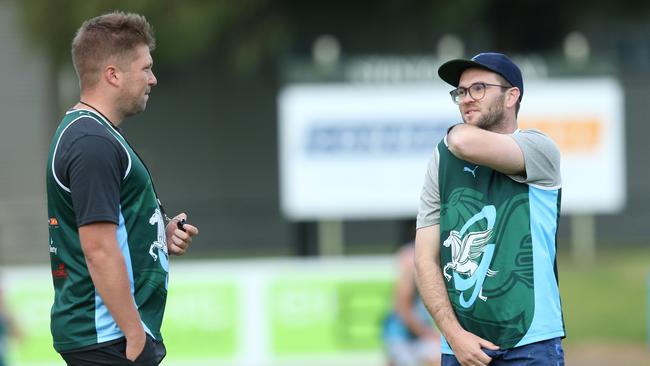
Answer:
(115, 134)
(126, 151)
(128, 157)
(56, 148)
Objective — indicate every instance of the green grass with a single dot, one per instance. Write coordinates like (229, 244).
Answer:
(606, 301)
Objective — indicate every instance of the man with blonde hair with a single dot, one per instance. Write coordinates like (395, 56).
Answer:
(109, 242)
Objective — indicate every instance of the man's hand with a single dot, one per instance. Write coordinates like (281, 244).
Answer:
(135, 345)
(178, 241)
(467, 348)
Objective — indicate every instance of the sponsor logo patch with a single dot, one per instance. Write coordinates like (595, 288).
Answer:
(60, 272)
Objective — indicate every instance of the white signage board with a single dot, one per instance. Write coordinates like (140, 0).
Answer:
(361, 151)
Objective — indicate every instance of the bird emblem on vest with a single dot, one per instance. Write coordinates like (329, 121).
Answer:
(466, 252)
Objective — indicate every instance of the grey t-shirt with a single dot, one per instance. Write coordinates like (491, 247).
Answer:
(542, 165)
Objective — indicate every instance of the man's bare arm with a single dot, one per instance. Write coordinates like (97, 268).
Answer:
(429, 279)
(466, 346)
(108, 271)
(495, 150)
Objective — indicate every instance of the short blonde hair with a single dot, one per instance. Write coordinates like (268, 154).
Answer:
(111, 35)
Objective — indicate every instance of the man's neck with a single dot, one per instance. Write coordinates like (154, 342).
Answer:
(506, 130)
(507, 127)
(101, 106)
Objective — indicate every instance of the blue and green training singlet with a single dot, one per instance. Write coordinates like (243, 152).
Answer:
(93, 175)
(498, 242)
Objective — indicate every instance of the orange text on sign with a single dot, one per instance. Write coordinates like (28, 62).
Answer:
(575, 135)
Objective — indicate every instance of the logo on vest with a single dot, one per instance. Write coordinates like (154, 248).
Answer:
(53, 249)
(472, 171)
(471, 254)
(160, 244)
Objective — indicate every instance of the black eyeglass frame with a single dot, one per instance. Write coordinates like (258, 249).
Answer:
(456, 98)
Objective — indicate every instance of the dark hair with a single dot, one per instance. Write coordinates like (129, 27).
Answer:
(111, 35)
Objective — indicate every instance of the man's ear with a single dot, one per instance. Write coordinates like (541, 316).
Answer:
(112, 75)
(513, 97)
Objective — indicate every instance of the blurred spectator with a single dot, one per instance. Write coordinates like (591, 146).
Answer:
(410, 338)
(7, 329)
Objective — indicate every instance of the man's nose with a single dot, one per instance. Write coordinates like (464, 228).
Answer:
(466, 96)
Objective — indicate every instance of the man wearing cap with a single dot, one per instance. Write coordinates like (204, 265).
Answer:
(487, 224)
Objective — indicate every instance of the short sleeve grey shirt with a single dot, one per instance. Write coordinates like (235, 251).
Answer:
(542, 169)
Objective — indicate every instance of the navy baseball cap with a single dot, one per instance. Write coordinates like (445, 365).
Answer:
(499, 63)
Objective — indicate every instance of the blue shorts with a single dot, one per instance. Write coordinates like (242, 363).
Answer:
(544, 353)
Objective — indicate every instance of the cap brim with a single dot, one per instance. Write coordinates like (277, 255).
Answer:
(450, 71)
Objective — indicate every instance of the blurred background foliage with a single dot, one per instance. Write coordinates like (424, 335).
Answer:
(250, 33)
(243, 32)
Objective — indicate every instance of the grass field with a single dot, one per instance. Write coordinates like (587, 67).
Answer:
(606, 301)
(605, 308)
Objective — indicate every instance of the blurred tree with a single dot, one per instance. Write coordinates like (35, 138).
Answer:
(247, 34)
(185, 29)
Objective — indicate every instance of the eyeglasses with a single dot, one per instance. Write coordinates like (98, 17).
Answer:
(476, 91)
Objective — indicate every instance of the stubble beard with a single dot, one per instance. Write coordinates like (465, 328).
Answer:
(494, 116)
(132, 106)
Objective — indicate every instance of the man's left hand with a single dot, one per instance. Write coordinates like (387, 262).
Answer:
(178, 241)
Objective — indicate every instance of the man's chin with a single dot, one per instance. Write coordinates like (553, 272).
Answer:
(478, 123)
(141, 107)
(471, 121)
(136, 110)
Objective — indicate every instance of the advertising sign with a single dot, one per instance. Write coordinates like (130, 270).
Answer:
(361, 151)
